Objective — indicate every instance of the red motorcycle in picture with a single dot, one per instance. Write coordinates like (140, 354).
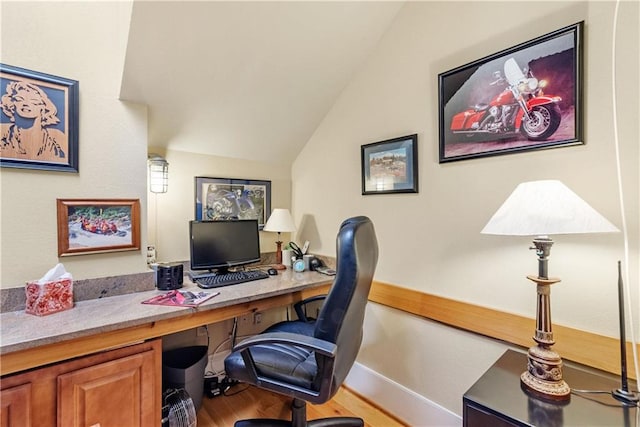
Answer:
(521, 107)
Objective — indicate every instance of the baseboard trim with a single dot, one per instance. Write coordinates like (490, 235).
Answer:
(402, 403)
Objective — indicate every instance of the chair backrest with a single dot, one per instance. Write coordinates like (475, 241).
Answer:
(341, 319)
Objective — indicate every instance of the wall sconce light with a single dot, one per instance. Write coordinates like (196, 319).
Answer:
(158, 174)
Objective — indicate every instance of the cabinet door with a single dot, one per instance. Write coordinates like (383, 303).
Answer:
(15, 406)
(111, 394)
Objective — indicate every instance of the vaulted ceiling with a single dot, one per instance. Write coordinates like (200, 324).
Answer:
(249, 80)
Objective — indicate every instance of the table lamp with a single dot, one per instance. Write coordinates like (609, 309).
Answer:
(280, 221)
(540, 209)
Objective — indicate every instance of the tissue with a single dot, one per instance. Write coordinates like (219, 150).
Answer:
(50, 294)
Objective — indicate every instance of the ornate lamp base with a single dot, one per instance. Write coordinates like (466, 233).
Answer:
(543, 377)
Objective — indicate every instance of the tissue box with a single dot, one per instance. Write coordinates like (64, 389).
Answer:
(49, 297)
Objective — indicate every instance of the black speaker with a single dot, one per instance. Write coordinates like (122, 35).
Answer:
(169, 276)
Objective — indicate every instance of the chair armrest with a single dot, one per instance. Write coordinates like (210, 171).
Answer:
(299, 306)
(322, 347)
(327, 351)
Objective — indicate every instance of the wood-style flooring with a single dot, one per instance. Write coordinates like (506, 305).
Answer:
(243, 401)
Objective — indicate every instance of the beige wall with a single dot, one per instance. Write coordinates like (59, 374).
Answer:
(84, 41)
(431, 241)
(169, 213)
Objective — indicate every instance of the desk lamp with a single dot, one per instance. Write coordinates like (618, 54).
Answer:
(280, 221)
(540, 209)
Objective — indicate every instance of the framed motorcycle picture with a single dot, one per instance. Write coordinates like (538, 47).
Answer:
(230, 198)
(522, 98)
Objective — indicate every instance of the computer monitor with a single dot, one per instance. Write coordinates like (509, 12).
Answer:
(218, 245)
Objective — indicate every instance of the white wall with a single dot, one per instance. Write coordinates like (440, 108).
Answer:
(84, 41)
(169, 213)
(431, 241)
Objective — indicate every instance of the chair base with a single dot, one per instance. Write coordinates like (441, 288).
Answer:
(299, 419)
(323, 422)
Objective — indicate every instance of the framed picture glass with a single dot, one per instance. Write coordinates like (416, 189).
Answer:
(390, 166)
(97, 226)
(227, 198)
(523, 98)
(39, 120)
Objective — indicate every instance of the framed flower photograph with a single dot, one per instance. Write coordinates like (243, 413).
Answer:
(97, 226)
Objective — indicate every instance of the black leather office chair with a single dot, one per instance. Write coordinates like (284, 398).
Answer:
(309, 360)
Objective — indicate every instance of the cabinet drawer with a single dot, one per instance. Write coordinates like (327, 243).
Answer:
(120, 387)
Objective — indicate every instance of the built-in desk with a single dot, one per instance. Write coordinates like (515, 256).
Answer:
(91, 326)
(496, 399)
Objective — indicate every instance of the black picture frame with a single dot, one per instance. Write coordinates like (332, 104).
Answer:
(390, 166)
(48, 139)
(479, 116)
(230, 198)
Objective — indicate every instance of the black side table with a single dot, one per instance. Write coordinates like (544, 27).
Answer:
(496, 399)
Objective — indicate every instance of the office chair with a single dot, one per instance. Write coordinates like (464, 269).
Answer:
(309, 360)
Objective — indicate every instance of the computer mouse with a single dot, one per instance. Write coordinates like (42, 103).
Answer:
(272, 272)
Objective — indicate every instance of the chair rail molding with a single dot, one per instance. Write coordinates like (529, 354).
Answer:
(587, 348)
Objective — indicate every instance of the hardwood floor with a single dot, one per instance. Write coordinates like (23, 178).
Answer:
(244, 401)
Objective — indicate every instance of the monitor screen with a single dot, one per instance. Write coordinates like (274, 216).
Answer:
(218, 245)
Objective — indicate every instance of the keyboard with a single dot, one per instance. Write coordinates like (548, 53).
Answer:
(231, 278)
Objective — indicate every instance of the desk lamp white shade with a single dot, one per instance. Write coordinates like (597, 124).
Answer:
(543, 208)
(280, 221)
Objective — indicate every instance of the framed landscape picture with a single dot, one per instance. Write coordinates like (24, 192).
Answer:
(97, 226)
(390, 166)
(228, 198)
(39, 120)
(523, 98)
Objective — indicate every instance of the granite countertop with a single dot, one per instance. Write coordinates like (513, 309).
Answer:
(20, 331)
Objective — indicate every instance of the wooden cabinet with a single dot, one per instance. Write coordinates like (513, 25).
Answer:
(109, 389)
(15, 406)
(496, 399)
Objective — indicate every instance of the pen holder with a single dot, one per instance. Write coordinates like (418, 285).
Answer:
(286, 257)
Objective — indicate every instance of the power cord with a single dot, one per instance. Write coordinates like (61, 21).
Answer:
(238, 391)
(214, 387)
(216, 383)
(585, 395)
